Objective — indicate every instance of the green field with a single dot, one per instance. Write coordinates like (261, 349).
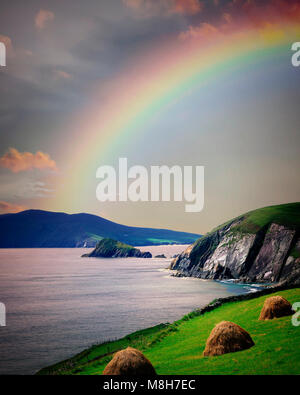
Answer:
(177, 348)
(284, 214)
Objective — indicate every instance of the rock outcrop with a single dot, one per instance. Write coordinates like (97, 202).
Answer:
(108, 248)
(262, 246)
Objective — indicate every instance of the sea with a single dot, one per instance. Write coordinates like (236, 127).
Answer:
(57, 303)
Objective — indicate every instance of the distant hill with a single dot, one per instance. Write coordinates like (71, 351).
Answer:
(260, 246)
(41, 229)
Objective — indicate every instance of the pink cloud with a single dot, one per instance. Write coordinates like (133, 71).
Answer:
(227, 17)
(42, 18)
(244, 14)
(189, 7)
(6, 207)
(21, 161)
(205, 30)
(62, 74)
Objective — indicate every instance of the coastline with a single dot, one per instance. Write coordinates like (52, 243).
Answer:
(61, 302)
(162, 329)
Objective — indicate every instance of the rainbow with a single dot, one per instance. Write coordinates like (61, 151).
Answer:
(156, 78)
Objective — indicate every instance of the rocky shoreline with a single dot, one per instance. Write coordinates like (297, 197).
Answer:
(243, 250)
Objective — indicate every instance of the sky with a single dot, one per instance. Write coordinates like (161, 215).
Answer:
(160, 82)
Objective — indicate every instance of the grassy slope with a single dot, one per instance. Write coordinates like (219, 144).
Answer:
(178, 348)
(253, 221)
(284, 214)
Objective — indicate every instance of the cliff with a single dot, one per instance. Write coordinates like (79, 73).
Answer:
(262, 246)
(108, 248)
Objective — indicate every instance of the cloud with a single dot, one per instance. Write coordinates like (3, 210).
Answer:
(205, 30)
(149, 8)
(34, 189)
(187, 7)
(21, 161)
(227, 17)
(6, 207)
(238, 15)
(58, 74)
(42, 18)
(23, 187)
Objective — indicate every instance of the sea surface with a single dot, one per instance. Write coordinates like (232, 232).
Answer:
(58, 304)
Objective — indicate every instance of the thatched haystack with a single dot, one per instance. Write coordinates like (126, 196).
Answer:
(129, 362)
(227, 337)
(275, 307)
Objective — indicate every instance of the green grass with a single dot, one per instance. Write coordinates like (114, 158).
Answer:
(177, 348)
(95, 237)
(109, 247)
(151, 240)
(284, 214)
(251, 222)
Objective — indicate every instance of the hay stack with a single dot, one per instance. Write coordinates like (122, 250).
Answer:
(227, 337)
(275, 307)
(129, 362)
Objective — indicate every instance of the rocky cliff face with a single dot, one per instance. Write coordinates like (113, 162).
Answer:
(264, 254)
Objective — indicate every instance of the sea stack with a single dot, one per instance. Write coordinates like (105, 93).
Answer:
(109, 248)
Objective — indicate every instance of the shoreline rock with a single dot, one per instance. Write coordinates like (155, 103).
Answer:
(246, 252)
(109, 248)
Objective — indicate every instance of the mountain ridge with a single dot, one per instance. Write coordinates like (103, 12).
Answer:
(46, 229)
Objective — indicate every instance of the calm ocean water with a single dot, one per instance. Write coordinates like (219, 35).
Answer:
(59, 303)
